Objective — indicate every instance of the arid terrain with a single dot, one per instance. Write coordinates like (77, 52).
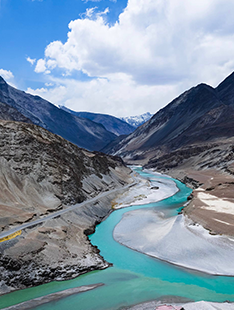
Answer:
(42, 173)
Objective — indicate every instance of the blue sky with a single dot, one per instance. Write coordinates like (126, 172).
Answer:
(117, 57)
(27, 27)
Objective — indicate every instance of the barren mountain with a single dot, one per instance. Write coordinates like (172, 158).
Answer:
(42, 173)
(9, 113)
(111, 123)
(200, 116)
(80, 131)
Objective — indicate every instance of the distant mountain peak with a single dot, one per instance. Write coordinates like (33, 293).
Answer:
(228, 80)
(137, 120)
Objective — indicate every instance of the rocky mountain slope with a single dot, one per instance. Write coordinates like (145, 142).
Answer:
(111, 123)
(80, 131)
(137, 120)
(199, 116)
(41, 173)
(9, 113)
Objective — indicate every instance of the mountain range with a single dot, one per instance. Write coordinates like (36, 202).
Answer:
(111, 123)
(92, 131)
(18, 105)
(200, 117)
(43, 173)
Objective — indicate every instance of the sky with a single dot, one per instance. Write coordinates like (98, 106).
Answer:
(116, 57)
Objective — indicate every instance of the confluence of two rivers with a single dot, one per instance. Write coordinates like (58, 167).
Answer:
(134, 277)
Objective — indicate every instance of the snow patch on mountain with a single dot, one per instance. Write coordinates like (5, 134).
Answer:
(137, 120)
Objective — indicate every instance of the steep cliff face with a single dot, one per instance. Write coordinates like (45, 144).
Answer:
(80, 131)
(41, 173)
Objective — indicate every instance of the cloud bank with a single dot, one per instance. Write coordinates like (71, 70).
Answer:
(7, 75)
(155, 50)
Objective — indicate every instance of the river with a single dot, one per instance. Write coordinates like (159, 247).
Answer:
(134, 277)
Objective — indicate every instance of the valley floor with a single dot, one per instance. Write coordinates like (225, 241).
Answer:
(176, 239)
(146, 191)
(180, 239)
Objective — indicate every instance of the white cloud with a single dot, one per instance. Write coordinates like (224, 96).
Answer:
(7, 75)
(49, 84)
(30, 60)
(41, 66)
(155, 43)
(117, 96)
(89, 12)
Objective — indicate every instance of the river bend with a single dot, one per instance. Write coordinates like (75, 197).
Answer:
(134, 277)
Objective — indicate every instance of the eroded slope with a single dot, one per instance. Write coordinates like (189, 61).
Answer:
(41, 173)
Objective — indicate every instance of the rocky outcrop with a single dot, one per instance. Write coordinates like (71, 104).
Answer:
(41, 173)
(202, 156)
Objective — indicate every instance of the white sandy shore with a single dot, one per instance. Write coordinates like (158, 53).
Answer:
(146, 191)
(176, 240)
(200, 305)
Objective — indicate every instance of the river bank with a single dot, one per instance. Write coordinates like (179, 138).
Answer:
(201, 305)
(178, 239)
(148, 190)
(28, 305)
(134, 277)
(212, 203)
(57, 247)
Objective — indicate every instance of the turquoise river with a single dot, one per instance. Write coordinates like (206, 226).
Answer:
(134, 277)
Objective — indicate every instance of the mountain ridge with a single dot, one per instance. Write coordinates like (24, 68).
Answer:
(80, 131)
(200, 114)
(111, 123)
